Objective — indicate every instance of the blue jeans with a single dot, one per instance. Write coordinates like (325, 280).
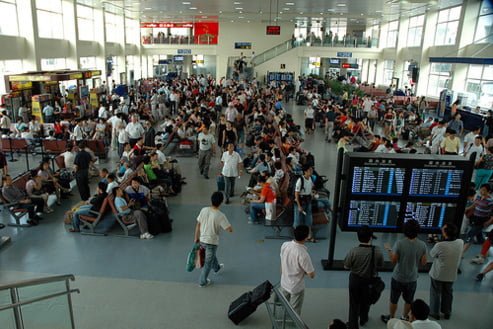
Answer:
(229, 187)
(254, 209)
(83, 210)
(210, 262)
(300, 218)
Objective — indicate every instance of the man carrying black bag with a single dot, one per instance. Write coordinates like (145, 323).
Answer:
(362, 262)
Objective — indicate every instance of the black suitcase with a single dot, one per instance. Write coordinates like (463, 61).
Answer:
(261, 293)
(241, 308)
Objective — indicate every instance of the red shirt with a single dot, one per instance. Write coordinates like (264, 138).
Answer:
(268, 193)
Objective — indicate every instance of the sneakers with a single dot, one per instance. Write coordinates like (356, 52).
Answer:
(48, 210)
(479, 259)
(480, 277)
(221, 267)
(385, 318)
(209, 282)
(146, 236)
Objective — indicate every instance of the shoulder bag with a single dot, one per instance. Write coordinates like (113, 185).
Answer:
(376, 285)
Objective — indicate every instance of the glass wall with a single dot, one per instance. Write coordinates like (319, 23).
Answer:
(484, 26)
(448, 24)
(439, 78)
(388, 71)
(50, 19)
(87, 63)
(8, 18)
(132, 31)
(415, 31)
(392, 32)
(7, 68)
(85, 23)
(479, 85)
(113, 27)
(51, 64)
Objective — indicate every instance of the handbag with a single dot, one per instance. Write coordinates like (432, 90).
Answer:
(376, 285)
(200, 257)
(191, 257)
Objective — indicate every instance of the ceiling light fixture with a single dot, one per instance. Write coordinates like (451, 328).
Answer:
(239, 8)
(341, 5)
(193, 8)
(237, 3)
(186, 3)
(289, 3)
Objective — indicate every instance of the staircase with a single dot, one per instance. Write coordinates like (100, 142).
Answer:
(247, 73)
(275, 51)
(38, 303)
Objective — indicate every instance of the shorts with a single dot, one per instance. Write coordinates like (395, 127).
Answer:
(407, 289)
(308, 123)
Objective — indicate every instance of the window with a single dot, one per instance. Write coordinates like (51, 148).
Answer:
(132, 31)
(88, 63)
(439, 78)
(50, 19)
(448, 23)
(484, 27)
(114, 27)
(388, 71)
(415, 31)
(51, 64)
(479, 86)
(6, 68)
(8, 18)
(85, 23)
(393, 30)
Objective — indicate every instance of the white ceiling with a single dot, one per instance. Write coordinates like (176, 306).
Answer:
(271, 10)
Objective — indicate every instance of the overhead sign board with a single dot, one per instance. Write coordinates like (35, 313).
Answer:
(243, 45)
(344, 54)
(273, 30)
(184, 51)
(165, 25)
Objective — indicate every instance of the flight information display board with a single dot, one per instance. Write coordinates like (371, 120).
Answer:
(385, 190)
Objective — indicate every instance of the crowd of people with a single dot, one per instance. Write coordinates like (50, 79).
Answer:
(253, 133)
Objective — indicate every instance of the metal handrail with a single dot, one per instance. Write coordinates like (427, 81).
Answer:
(34, 282)
(17, 304)
(38, 299)
(287, 308)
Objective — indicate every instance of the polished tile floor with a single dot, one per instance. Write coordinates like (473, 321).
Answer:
(128, 283)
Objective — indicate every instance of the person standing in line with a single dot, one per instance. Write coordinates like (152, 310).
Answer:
(407, 255)
(209, 223)
(206, 151)
(231, 162)
(363, 270)
(82, 163)
(295, 265)
(303, 200)
(446, 260)
(48, 112)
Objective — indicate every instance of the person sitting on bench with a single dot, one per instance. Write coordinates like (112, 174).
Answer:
(267, 195)
(13, 194)
(93, 205)
(129, 215)
(137, 192)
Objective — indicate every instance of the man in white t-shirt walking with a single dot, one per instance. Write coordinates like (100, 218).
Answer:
(209, 224)
(231, 162)
(206, 150)
(134, 130)
(295, 265)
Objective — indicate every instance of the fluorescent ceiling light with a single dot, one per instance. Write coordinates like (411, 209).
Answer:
(285, 9)
(239, 8)
(186, 3)
(193, 8)
(237, 3)
(341, 5)
(289, 3)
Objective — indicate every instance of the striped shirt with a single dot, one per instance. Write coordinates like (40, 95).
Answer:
(483, 207)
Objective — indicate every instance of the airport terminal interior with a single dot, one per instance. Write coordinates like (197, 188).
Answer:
(80, 55)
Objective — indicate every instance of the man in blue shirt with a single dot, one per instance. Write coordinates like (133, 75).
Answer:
(48, 113)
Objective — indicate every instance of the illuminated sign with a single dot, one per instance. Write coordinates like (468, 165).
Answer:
(273, 30)
(165, 25)
(344, 54)
(349, 66)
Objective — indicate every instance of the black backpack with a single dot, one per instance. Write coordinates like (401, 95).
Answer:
(158, 220)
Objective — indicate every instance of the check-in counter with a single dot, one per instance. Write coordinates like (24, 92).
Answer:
(472, 120)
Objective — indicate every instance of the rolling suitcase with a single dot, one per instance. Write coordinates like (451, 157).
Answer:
(241, 308)
(261, 293)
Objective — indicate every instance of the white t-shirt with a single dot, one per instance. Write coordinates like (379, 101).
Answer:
(231, 162)
(478, 149)
(469, 140)
(134, 130)
(309, 113)
(68, 159)
(295, 262)
(307, 186)
(211, 221)
(416, 324)
(367, 104)
(206, 141)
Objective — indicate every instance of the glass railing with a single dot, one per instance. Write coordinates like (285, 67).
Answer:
(43, 303)
(281, 314)
(289, 44)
